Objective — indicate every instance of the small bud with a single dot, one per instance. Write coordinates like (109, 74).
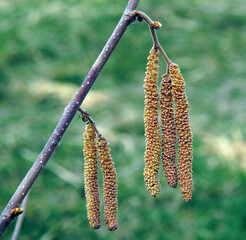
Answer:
(157, 25)
(140, 19)
(183, 131)
(84, 117)
(16, 211)
(109, 184)
(168, 132)
(91, 177)
(152, 132)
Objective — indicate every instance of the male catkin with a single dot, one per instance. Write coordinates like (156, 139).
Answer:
(109, 184)
(91, 177)
(152, 132)
(168, 132)
(184, 133)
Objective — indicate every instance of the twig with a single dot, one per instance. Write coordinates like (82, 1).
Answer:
(86, 117)
(67, 116)
(20, 219)
(158, 45)
(153, 26)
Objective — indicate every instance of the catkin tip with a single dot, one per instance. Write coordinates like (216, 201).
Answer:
(173, 184)
(186, 197)
(95, 226)
(155, 190)
(112, 228)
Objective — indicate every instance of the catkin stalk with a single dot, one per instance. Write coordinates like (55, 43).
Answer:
(109, 184)
(168, 132)
(183, 131)
(91, 177)
(152, 132)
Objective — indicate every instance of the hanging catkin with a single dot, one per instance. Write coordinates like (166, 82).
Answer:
(168, 132)
(152, 132)
(109, 184)
(183, 131)
(91, 177)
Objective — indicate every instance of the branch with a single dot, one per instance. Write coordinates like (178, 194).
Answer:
(67, 116)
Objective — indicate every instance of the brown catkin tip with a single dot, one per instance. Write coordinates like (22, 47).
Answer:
(168, 132)
(91, 177)
(152, 132)
(183, 131)
(109, 184)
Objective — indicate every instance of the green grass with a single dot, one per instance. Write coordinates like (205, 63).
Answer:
(48, 47)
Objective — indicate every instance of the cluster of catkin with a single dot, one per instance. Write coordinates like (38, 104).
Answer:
(94, 149)
(175, 127)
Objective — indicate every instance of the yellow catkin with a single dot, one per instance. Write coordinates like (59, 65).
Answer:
(183, 131)
(91, 177)
(168, 132)
(152, 132)
(109, 184)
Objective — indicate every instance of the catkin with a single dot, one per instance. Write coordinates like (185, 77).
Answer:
(109, 184)
(91, 177)
(183, 131)
(152, 132)
(168, 132)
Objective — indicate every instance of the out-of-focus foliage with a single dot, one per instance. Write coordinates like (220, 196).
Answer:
(47, 48)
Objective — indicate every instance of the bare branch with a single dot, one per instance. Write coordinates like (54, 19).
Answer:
(67, 116)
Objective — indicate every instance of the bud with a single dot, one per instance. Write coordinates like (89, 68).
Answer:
(152, 132)
(157, 25)
(16, 212)
(109, 184)
(183, 131)
(168, 132)
(91, 177)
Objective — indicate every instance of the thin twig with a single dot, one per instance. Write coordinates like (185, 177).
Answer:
(143, 16)
(153, 26)
(88, 118)
(67, 116)
(158, 45)
(20, 219)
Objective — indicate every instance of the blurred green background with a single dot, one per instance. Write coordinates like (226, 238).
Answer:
(46, 50)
